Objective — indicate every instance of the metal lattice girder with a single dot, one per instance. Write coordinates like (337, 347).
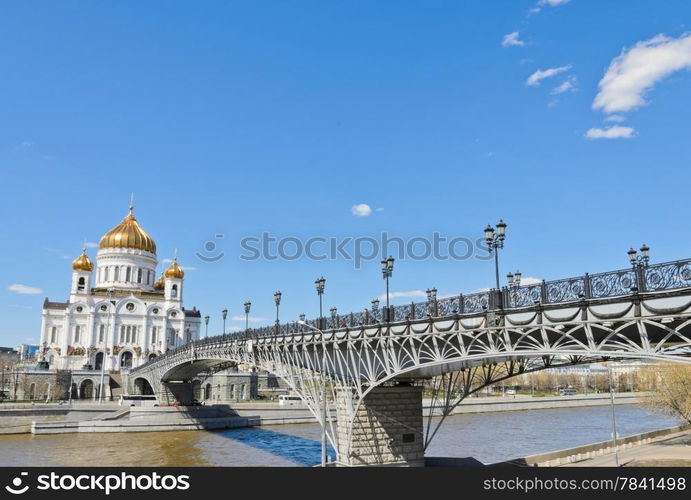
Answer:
(484, 348)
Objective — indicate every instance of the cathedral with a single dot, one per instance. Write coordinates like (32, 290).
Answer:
(118, 315)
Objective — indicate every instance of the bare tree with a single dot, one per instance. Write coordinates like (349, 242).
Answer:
(672, 389)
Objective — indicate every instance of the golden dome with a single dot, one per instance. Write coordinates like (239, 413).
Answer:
(160, 284)
(128, 234)
(175, 271)
(83, 263)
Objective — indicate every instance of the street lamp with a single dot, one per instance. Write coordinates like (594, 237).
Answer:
(319, 284)
(387, 272)
(225, 315)
(324, 412)
(614, 420)
(334, 313)
(277, 301)
(101, 389)
(639, 260)
(495, 241)
(247, 305)
(206, 322)
(514, 279)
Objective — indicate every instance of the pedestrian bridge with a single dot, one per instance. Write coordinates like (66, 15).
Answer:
(375, 371)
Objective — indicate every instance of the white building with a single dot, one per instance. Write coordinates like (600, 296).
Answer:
(126, 314)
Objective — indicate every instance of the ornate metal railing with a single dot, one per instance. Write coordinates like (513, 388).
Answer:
(657, 277)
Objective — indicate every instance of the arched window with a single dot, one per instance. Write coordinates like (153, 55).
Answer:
(128, 336)
(139, 275)
(77, 328)
(174, 291)
(122, 333)
(134, 335)
(148, 277)
(128, 273)
(153, 334)
(101, 333)
(80, 284)
(54, 335)
(116, 274)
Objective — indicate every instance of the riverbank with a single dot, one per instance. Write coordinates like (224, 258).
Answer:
(109, 417)
(670, 447)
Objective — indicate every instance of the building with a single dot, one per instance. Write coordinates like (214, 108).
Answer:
(118, 314)
(28, 352)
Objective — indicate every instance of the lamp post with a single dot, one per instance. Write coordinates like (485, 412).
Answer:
(432, 301)
(324, 412)
(514, 279)
(319, 284)
(225, 315)
(639, 263)
(614, 420)
(387, 272)
(248, 306)
(495, 241)
(277, 301)
(334, 314)
(375, 308)
(101, 389)
(639, 260)
(206, 323)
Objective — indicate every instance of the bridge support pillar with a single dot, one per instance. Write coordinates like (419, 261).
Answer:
(386, 429)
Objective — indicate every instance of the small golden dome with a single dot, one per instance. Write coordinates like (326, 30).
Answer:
(128, 234)
(160, 284)
(83, 263)
(175, 271)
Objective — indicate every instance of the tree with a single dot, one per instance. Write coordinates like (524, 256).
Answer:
(672, 389)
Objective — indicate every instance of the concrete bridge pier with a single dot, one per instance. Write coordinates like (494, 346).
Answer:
(386, 429)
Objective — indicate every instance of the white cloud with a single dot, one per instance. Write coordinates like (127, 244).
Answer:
(637, 69)
(252, 319)
(25, 145)
(551, 3)
(361, 210)
(380, 209)
(512, 40)
(614, 132)
(24, 289)
(408, 294)
(615, 118)
(534, 79)
(527, 280)
(568, 85)
(90, 244)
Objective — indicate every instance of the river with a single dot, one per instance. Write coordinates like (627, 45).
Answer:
(487, 437)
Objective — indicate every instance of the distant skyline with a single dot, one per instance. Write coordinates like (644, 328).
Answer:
(331, 121)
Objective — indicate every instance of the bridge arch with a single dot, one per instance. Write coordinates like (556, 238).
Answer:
(143, 387)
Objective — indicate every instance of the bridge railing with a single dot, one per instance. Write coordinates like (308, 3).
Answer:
(656, 277)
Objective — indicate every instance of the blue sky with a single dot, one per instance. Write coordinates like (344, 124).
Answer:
(237, 118)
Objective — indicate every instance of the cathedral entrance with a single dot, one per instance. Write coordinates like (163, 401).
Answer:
(126, 360)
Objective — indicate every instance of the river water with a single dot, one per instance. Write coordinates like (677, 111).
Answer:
(487, 437)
